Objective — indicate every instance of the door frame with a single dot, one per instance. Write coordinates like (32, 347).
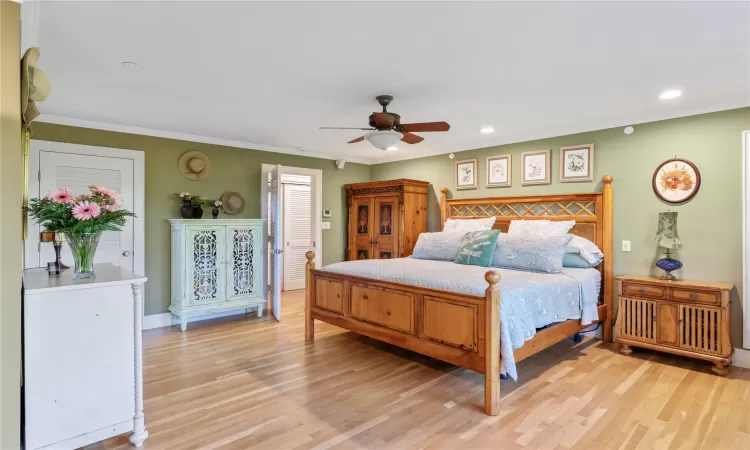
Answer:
(316, 210)
(31, 245)
(745, 238)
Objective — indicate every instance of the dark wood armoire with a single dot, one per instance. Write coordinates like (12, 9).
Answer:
(385, 218)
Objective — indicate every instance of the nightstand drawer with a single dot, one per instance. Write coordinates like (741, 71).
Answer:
(643, 290)
(695, 296)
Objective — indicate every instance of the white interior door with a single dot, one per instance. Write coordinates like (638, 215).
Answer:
(77, 172)
(297, 234)
(274, 228)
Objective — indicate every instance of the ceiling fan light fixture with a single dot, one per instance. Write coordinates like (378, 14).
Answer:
(392, 148)
(384, 139)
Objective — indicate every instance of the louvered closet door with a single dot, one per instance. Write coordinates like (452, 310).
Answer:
(297, 234)
(77, 173)
(637, 317)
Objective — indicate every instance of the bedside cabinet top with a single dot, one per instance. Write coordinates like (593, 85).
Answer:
(695, 284)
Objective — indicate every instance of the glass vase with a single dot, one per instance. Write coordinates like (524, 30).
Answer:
(83, 247)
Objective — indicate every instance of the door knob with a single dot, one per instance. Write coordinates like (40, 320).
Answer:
(126, 253)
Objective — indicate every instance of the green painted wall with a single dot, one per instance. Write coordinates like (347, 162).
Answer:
(234, 169)
(11, 195)
(710, 225)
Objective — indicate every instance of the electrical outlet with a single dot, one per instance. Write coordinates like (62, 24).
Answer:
(325, 226)
(626, 246)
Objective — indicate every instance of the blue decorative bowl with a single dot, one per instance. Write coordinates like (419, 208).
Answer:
(668, 265)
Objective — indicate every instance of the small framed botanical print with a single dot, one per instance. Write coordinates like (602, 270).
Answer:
(577, 163)
(466, 174)
(498, 171)
(535, 167)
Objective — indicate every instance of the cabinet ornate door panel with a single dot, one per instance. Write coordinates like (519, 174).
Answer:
(387, 231)
(362, 228)
(636, 319)
(667, 324)
(243, 248)
(206, 270)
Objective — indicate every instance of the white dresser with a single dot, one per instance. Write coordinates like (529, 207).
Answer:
(83, 371)
(216, 267)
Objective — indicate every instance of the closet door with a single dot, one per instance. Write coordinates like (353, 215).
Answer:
(387, 227)
(243, 262)
(206, 255)
(362, 229)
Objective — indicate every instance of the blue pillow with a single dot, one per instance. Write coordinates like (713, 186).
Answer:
(477, 248)
(441, 246)
(575, 260)
(533, 253)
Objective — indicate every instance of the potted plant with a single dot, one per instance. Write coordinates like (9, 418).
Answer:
(82, 219)
(215, 210)
(186, 210)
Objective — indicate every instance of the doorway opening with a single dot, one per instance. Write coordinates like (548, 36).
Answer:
(291, 203)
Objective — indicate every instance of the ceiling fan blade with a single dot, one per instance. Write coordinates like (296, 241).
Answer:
(354, 141)
(345, 128)
(426, 126)
(412, 138)
(383, 119)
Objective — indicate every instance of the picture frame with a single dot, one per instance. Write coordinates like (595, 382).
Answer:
(499, 171)
(676, 181)
(535, 167)
(465, 174)
(577, 163)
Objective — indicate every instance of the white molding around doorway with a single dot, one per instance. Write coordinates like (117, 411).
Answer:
(745, 237)
(36, 146)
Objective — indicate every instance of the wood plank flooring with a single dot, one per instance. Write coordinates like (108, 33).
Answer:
(238, 383)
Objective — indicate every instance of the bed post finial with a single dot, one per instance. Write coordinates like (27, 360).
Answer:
(492, 344)
(309, 290)
(607, 249)
(443, 206)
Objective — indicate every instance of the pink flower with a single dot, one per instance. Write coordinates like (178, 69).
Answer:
(86, 210)
(62, 195)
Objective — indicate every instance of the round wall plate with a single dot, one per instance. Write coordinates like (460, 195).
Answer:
(676, 180)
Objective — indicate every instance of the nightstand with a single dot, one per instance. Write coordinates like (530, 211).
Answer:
(688, 318)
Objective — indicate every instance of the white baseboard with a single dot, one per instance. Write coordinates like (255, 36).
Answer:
(741, 358)
(166, 319)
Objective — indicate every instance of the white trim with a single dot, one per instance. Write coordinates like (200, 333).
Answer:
(31, 248)
(167, 319)
(745, 237)
(186, 137)
(741, 358)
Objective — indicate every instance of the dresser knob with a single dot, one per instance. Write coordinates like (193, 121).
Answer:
(693, 296)
(643, 290)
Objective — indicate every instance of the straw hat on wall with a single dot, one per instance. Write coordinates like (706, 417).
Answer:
(195, 165)
(35, 85)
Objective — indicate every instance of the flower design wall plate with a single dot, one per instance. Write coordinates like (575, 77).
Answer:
(676, 180)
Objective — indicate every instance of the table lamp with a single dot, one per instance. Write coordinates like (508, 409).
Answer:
(666, 237)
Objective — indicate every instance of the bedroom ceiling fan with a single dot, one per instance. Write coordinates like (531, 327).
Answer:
(386, 128)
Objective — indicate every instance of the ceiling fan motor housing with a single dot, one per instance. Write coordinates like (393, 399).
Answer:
(396, 121)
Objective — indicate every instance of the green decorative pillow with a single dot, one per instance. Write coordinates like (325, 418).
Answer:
(477, 248)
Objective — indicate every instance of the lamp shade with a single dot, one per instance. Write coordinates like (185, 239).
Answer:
(666, 233)
(384, 139)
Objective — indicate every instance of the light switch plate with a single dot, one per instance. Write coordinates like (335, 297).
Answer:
(626, 246)
(325, 226)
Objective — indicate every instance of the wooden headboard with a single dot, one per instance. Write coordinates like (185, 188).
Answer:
(592, 212)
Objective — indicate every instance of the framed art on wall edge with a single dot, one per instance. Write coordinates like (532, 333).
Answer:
(466, 174)
(577, 163)
(498, 171)
(535, 167)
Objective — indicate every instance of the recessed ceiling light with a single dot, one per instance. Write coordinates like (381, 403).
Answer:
(391, 149)
(130, 65)
(487, 130)
(670, 94)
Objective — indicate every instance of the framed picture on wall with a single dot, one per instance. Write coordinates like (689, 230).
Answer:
(577, 163)
(535, 167)
(498, 171)
(466, 174)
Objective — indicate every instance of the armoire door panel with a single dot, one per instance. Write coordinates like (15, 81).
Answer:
(387, 210)
(362, 229)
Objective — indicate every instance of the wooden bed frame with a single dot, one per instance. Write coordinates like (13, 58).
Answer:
(456, 328)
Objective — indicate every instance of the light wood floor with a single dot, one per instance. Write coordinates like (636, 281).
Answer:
(254, 383)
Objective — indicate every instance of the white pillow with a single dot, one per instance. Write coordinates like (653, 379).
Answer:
(467, 225)
(586, 249)
(442, 246)
(540, 228)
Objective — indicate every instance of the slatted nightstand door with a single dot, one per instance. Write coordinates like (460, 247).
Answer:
(700, 329)
(638, 319)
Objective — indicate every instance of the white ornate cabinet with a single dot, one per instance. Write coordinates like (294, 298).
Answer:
(216, 266)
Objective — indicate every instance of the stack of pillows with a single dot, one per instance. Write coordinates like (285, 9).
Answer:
(533, 245)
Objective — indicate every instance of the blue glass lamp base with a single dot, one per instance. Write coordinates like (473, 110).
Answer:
(668, 265)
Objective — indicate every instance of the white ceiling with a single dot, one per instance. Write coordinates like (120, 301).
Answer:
(266, 75)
